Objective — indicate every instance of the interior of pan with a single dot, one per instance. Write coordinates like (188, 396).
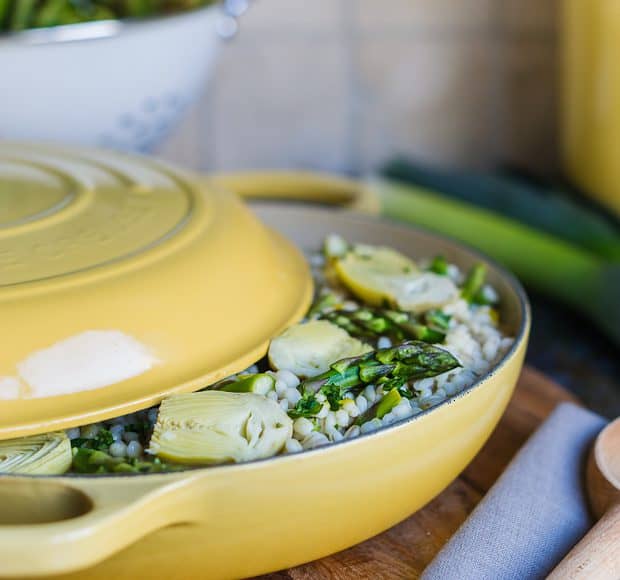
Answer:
(307, 226)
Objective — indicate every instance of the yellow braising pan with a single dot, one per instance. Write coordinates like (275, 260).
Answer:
(241, 520)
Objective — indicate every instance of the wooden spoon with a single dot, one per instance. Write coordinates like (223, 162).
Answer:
(597, 555)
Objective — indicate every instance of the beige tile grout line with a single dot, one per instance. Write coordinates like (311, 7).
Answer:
(497, 74)
(354, 97)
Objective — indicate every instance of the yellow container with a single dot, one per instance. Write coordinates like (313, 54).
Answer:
(590, 119)
(234, 521)
(243, 520)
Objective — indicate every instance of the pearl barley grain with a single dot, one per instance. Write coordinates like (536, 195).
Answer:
(351, 408)
(118, 449)
(281, 387)
(134, 449)
(290, 379)
(362, 403)
(342, 418)
(129, 436)
(293, 446)
(303, 427)
(292, 395)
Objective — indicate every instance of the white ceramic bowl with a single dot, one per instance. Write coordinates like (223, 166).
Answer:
(120, 84)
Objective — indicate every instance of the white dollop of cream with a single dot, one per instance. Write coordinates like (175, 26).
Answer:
(86, 361)
(10, 387)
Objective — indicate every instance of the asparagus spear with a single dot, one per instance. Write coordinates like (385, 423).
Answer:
(474, 282)
(329, 300)
(96, 461)
(369, 323)
(392, 367)
(260, 383)
(381, 408)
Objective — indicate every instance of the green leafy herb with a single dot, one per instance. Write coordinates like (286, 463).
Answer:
(101, 441)
(142, 428)
(333, 394)
(307, 406)
(439, 265)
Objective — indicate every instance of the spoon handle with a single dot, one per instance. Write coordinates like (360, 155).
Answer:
(597, 555)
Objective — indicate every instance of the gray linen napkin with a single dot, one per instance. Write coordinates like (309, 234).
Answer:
(534, 514)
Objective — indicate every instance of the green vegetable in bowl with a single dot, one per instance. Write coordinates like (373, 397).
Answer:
(439, 265)
(22, 14)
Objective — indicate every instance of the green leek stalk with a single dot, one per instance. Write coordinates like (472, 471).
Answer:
(518, 198)
(550, 265)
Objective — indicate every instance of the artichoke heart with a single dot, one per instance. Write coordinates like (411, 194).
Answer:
(381, 275)
(219, 427)
(47, 454)
(308, 349)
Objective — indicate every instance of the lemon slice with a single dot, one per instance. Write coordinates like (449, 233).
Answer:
(369, 272)
(382, 276)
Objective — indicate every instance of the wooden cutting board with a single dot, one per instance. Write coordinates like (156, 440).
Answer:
(406, 549)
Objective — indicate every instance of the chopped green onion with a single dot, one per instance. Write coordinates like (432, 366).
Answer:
(260, 383)
(388, 402)
(439, 265)
(474, 282)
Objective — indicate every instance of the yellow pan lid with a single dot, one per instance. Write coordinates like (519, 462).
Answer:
(122, 280)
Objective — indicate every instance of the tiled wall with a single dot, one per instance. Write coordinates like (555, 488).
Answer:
(346, 84)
